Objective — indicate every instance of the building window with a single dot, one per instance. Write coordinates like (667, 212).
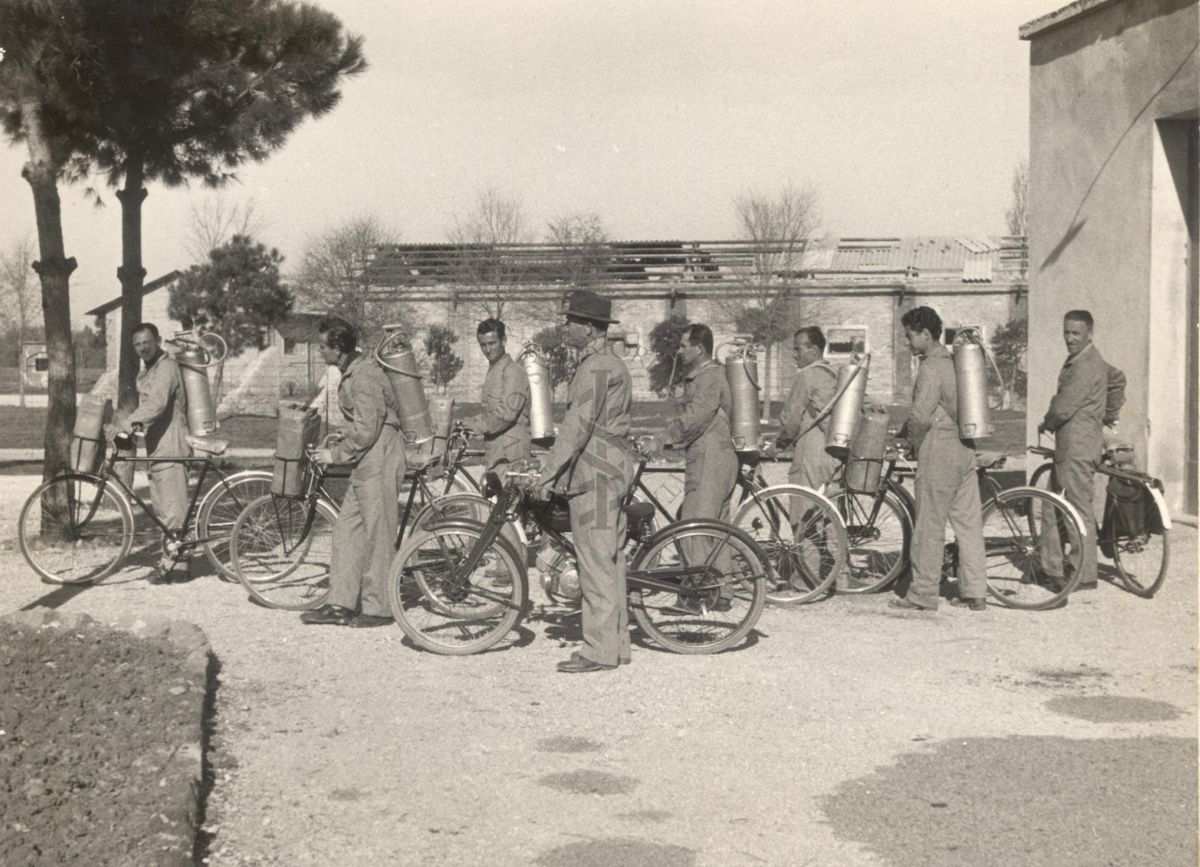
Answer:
(843, 340)
(289, 346)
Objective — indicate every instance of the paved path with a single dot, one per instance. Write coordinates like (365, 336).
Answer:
(845, 733)
(30, 400)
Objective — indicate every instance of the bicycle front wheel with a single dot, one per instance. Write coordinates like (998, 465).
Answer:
(444, 608)
(878, 533)
(75, 529)
(219, 512)
(1141, 561)
(1033, 548)
(698, 586)
(281, 550)
(803, 538)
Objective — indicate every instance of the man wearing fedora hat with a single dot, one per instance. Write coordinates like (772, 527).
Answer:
(591, 463)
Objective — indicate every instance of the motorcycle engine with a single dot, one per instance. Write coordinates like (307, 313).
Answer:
(560, 577)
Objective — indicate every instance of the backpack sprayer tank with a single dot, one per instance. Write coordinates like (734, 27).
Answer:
(847, 408)
(741, 372)
(541, 394)
(864, 467)
(971, 382)
(396, 358)
(194, 360)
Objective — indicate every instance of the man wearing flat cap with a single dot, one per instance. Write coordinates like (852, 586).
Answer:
(591, 463)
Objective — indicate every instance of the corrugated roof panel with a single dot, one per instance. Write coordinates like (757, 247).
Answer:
(978, 268)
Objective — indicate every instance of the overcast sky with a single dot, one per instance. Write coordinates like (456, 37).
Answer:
(908, 117)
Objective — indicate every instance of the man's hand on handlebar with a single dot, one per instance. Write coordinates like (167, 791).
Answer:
(122, 434)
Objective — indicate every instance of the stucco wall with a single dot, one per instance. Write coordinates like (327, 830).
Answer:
(1098, 83)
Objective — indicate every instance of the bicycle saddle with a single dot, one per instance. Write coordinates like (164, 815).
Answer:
(639, 511)
(990, 460)
(208, 445)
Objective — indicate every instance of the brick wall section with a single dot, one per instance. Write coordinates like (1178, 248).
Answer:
(877, 308)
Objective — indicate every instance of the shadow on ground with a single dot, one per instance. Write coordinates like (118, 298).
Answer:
(1029, 801)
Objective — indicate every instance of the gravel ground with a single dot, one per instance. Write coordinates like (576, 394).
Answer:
(828, 739)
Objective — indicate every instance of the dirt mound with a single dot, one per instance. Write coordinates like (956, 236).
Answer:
(100, 740)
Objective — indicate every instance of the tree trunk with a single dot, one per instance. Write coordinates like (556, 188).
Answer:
(54, 271)
(132, 276)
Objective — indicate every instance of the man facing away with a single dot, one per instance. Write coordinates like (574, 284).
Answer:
(162, 414)
(946, 486)
(365, 533)
(591, 460)
(1076, 417)
(505, 399)
(812, 390)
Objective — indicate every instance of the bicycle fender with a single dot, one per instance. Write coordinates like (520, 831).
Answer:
(464, 524)
(788, 487)
(700, 523)
(1071, 510)
(516, 526)
(1161, 502)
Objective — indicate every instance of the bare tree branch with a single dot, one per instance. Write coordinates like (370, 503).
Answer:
(1017, 211)
(584, 240)
(19, 292)
(497, 220)
(214, 221)
(780, 227)
(335, 276)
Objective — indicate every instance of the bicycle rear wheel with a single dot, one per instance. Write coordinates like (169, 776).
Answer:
(1141, 562)
(219, 512)
(75, 529)
(281, 554)
(1022, 528)
(442, 608)
(878, 533)
(803, 538)
(698, 587)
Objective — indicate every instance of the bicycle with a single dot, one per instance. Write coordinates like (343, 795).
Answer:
(282, 547)
(458, 586)
(1015, 522)
(1139, 547)
(879, 526)
(78, 527)
(799, 529)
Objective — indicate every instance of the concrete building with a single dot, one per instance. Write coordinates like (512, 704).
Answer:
(288, 366)
(855, 288)
(1114, 111)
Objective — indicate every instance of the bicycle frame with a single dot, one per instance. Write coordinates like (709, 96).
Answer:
(177, 535)
(886, 484)
(749, 481)
(316, 491)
